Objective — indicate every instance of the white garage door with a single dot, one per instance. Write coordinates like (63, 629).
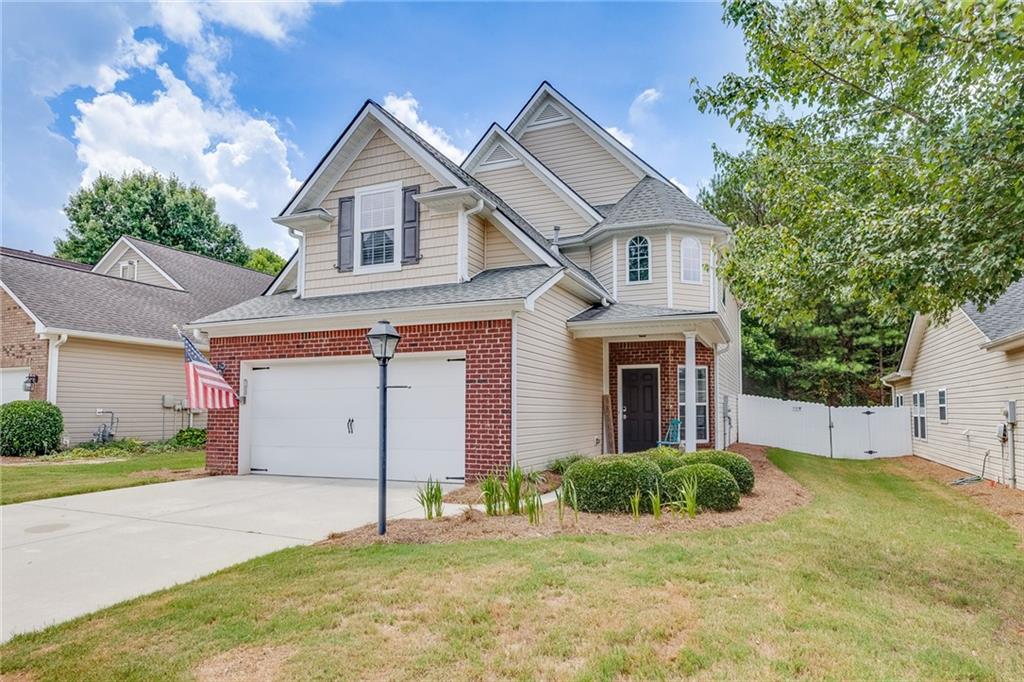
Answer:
(319, 418)
(11, 384)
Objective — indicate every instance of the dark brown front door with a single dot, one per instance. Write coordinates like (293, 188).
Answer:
(639, 409)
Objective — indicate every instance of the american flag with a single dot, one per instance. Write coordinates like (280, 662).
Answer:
(206, 388)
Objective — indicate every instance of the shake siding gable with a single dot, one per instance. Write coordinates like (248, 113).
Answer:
(582, 163)
(126, 378)
(559, 383)
(978, 382)
(381, 161)
(534, 200)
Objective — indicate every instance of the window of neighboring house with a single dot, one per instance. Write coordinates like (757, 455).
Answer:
(377, 217)
(690, 256)
(942, 405)
(918, 415)
(701, 402)
(897, 400)
(129, 269)
(638, 259)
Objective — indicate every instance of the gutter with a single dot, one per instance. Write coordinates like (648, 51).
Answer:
(1005, 343)
(114, 338)
(52, 366)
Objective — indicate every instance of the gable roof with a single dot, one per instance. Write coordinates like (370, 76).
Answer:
(623, 153)
(38, 257)
(67, 299)
(652, 202)
(1004, 317)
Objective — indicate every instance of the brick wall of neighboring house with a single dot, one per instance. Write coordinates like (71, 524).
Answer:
(488, 348)
(668, 355)
(21, 346)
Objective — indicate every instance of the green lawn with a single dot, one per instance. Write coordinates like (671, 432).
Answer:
(40, 481)
(879, 577)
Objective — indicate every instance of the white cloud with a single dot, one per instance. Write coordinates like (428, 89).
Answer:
(406, 110)
(240, 159)
(642, 103)
(186, 22)
(686, 190)
(621, 135)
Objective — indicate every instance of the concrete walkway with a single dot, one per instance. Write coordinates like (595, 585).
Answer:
(69, 556)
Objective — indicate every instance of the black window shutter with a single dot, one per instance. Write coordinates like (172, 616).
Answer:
(410, 226)
(345, 233)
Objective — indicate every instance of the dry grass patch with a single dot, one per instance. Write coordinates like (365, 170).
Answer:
(245, 664)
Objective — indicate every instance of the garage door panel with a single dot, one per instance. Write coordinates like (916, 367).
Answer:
(297, 416)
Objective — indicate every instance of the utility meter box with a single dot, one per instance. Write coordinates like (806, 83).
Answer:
(170, 401)
(1010, 411)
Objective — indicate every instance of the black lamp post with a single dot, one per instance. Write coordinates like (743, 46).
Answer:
(383, 339)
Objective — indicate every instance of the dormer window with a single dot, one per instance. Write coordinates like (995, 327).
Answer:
(129, 269)
(378, 214)
(690, 256)
(638, 260)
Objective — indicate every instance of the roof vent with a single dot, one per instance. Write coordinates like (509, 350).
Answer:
(548, 114)
(499, 155)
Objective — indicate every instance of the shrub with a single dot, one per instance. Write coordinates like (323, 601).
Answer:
(667, 458)
(560, 465)
(30, 427)
(190, 438)
(716, 488)
(737, 465)
(606, 484)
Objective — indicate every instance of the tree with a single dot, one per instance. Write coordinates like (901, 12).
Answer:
(265, 260)
(887, 144)
(836, 355)
(149, 206)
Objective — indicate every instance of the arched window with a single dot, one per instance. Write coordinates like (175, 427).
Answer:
(690, 257)
(638, 259)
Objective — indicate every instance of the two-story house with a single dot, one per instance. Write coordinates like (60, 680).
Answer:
(555, 294)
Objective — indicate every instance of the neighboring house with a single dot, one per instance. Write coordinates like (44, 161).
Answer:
(957, 378)
(553, 293)
(102, 337)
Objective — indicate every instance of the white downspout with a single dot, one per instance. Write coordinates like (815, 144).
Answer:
(464, 214)
(300, 283)
(52, 364)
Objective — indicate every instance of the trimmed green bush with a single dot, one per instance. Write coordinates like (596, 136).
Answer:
(716, 488)
(560, 465)
(606, 484)
(737, 465)
(190, 438)
(30, 427)
(667, 458)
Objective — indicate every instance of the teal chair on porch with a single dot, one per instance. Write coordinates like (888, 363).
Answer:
(672, 436)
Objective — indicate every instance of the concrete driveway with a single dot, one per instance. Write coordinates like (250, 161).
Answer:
(69, 556)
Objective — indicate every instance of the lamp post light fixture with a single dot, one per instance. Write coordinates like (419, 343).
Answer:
(383, 339)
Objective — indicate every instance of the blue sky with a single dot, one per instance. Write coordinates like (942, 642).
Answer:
(243, 99)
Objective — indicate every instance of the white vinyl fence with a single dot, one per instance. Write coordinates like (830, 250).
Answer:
(843, 432)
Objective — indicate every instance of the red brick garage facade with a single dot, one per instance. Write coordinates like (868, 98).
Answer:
(668, 356)
(486, 343)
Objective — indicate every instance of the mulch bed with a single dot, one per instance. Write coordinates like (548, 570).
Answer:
(995, 497)
(774, 494)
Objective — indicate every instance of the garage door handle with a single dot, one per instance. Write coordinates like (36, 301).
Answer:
(351, 425)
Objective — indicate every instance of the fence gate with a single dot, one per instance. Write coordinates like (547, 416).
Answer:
(844, 432)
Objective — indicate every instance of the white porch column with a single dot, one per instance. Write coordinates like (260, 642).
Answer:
(690, 435)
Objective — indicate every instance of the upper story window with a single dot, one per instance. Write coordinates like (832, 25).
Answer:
(638, 259)
(129, 269)
(377, 218)
(690, 257)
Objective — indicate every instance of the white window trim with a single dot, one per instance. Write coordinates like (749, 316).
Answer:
(682, 262)
(898, 400)
(650, 261)
(357, 232)
(134, 265)
(681, 404)
(919, 410)
(942, 403)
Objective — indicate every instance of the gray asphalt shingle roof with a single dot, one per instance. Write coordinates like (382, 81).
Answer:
(1002, 318)
(623, 312)
(32, 255)
(490, 285)
(79, 300)
(653, 201)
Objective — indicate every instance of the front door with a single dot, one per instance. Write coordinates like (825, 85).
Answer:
(639, 409)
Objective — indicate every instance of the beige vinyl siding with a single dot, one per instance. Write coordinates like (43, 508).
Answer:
(500, 252)
(582, 163)
(534, 200)
(558, 383)
(601, 263)
(144, 271)
(685, 295)
(580, 255)
(977, 384)
(729, 374)
(126, 378)
(477, 230)
(654, 292)
(381, 161)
